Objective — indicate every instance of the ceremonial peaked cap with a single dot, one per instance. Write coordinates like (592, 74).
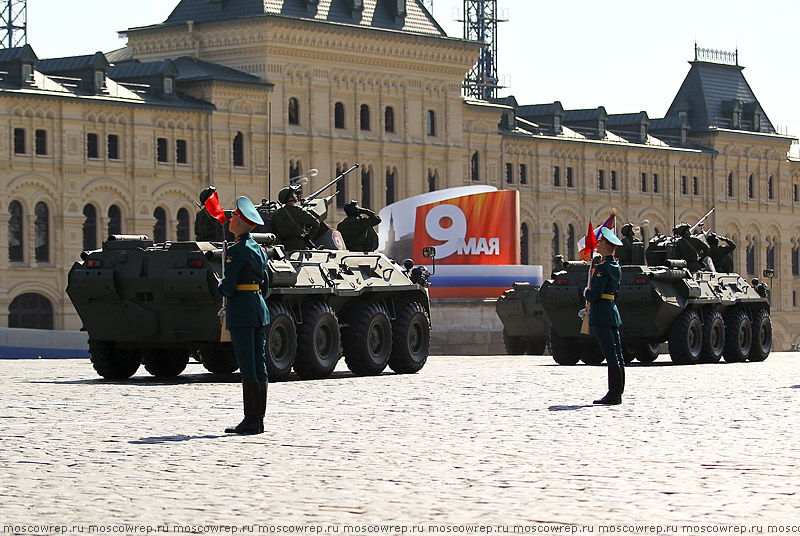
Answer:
(609, 236)
(246, 209)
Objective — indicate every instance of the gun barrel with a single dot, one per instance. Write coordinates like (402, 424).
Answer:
(702, 220)
(334, 181)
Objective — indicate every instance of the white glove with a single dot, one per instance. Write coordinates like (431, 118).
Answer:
(582, 313)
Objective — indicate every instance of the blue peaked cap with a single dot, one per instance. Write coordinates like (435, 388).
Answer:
(246, 209)
(609, 236)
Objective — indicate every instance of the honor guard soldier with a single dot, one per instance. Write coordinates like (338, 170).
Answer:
(624, 252)
(691, 249)
(247, 314)
(206, 227)
(721, 254)
(293, 225)
(357, 228)
(604, 316)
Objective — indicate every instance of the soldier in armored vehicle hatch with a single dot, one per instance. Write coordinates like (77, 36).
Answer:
(624, 252)
(721, 254)
(293, 225)
(206, 227)
(357, 228)
(691, 249)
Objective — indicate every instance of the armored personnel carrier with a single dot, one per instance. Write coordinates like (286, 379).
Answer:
(157, 304)
(526, 328)
(703, 316)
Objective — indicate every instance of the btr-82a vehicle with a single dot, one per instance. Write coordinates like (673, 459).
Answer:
(157, 304)
(526, 327)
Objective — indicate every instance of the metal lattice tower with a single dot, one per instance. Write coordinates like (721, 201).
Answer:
(14, 19)
(480, 24)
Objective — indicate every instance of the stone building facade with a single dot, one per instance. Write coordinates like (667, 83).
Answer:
(244, 94)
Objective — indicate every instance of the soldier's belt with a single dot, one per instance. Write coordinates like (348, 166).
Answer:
(604, 296)
(249, 286)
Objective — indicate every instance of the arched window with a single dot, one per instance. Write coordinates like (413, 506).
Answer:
(474, 167)
(556, 246)
(751, 191)
(114, 220)
(366, 187)
(160, 227)
(431, 181)
(338, 115)
(388, 116)
(730, 184)
(89, 228)
(771, 256)
(294, 169)
(294, 112)
(431, 123)
(341, 192)
(770, 188)
(795, 258)
(238, 150)
(31, 311)
(42, 229)
(570, 242)
(364, 117)
(750, 258)
(390, 177)
(183, 225)
(523, 244)
(15, 249)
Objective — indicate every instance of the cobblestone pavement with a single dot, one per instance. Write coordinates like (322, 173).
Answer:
(500, 440)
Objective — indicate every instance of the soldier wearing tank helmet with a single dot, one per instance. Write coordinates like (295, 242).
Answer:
(624, 252)
(206, 227)
(292, 224)
(720, 253)
(691, 249)
(357, 228)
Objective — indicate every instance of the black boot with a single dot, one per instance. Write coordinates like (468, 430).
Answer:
(252, 423)
(263, 400)
(616, 385)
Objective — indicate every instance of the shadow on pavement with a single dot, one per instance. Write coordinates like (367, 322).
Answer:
(567, 408)
(172, 439)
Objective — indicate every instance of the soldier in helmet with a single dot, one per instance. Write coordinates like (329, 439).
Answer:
(292, 224)
(357, 228)
(691, 249)
(558, 265)
(721, 254)
(625, 251)
(206, 227)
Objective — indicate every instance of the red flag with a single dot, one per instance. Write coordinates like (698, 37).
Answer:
(215, 208)
(590, 245)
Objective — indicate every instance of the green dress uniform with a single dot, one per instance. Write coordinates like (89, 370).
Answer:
(293, 225)
(246, 317)
(358, 231)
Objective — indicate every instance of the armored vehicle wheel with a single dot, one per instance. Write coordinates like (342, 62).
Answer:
(514, 345)
(318, 341)
(713, 337)
(281, 347)
(738, 337)
(113, 363)
(591, 353)
(685, 338)
(411, 338)
(565, 352)
(629, 351)
(367, 340)
(166, 362)
(218, 357)
(762, 335)
(535, 347)
(648, 352)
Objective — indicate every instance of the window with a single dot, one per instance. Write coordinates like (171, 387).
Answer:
(614, 185)
(42, 229)
(182, 231)
(523, 174)
(770, 188)
(161, 150)
(601, 179)
(431, 116)
(113, 147)
(388, 116)
(555, 246)
(750, 259)
(730, 184)
(695, 186)
(341, 192)
(31, 311)
(92, 146)
(771, 257)
(474, 167)
(364, 117)
(294, 112)
(794, 298)
(99, 79)
(523, 244)
(238, 150)
(390, 176)
(644, 182)
(169, 84)
(556, 176)
(160, 227)
(655, 183)
(338, 115)
(366, 187)
(751, 193)
(796, 259)
(570, 182)
(294, 169)
(19, 141)
(114, 220)
(89, 228)
(15, 232)
(509, 174)
(570, 242)
(684, 185)
(40, 139)
(181, 155)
